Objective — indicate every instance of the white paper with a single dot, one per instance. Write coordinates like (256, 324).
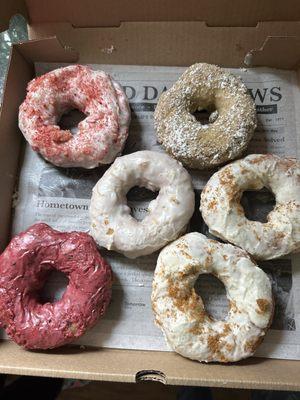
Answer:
(61, 197)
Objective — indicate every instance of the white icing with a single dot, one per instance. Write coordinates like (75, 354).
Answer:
(180, 312)
(101, 135)
(225, 217)
(114, 228)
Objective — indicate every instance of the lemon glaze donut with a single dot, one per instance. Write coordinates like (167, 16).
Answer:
(114, 228)
(196, 145)
(101, 135)
(24, 267)
(180, 312)
(222, 212)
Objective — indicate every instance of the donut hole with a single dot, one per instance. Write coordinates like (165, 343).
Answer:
(71, 119)
(54, 287)
(206, 115)
(138, 200)
(258, 204)
(213, 294)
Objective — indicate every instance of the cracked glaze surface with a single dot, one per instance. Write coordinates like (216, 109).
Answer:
(225, 217)
(180, 312)
(24, 268)
(114, 228)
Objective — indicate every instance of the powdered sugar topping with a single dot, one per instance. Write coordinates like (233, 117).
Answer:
(231, 125)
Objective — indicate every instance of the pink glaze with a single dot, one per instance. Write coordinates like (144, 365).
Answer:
(24, 267)
(101, 135)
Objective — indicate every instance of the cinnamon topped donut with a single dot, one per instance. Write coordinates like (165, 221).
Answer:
(101, 135)
(200, 146)
(180, 312)
(225, 217)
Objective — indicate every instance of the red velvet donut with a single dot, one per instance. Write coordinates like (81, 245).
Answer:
(24, 267)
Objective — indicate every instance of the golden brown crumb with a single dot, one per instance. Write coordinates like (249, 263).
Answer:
(182, 245)
(174, 200)
(226, 178)
(251, 345)
(258, 159)
(212, 204)
(187, 255)
(229, 347)
(263, 305)
(196, 330)
(186, 301)
(213, 342)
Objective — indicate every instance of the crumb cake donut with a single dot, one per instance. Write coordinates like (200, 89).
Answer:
(24, 267)
(200, 146)
(114, 228)
(180, 312)
(101, 135)
(225, 217)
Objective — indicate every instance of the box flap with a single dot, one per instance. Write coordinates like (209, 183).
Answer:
(93, 13)
(130, 366)
(19, 73)
(113, 12)
(46, 50)
(183, 43)
(271, 48)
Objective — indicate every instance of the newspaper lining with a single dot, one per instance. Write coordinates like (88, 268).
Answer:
(60, 197)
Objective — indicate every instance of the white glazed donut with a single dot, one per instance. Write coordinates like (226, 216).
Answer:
(224, 215)
(114, 228)
(180, 312)
(101, 135)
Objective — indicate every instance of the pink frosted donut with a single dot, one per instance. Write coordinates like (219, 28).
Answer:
(101, 135)
(24, 267)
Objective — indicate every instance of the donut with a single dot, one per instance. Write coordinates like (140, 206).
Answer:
(101, 135)
(180, 312)
(196, 145)
(24, 267)
(225, 217)
(114, 228)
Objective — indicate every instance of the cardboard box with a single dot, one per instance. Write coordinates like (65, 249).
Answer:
(169, 32)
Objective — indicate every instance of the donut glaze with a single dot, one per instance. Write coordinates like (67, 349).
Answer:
(101, 135)
(225, 217)
(114, 228)
(200, 146)
(180, 312)
(24, 267)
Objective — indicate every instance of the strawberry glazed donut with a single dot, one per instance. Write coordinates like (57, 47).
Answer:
(231, 126)
(180, 313)
(114, 228)
(24, 267)
(101, 135)
(225, 217)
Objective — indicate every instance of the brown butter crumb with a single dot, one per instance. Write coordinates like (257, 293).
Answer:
(251, 345)
(263, 305)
